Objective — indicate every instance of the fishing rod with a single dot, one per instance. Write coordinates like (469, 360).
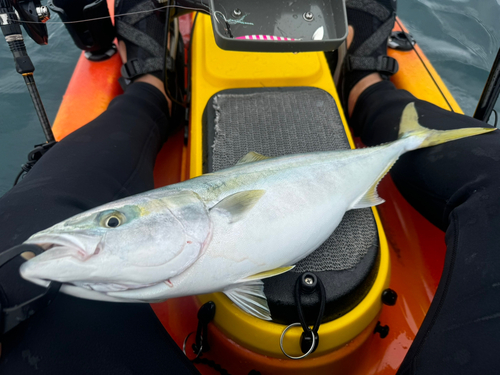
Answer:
(490, 93)
(10, 13)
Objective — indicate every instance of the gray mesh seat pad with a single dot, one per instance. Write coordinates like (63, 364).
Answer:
(281, 121)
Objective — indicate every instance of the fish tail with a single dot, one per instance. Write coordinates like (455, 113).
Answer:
(424, 137)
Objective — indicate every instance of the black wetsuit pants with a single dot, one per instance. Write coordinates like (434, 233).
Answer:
(456, 186)
(110, 158)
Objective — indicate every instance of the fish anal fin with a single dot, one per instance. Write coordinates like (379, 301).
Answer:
(267, 274)
(250, 298)
(371, 197)
(239, 204)
(251, 157)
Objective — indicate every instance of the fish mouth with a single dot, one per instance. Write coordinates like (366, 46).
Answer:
(63, 255)
(64, 245)
(61, 246)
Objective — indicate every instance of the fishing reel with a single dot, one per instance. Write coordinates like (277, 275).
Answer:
(33, 17)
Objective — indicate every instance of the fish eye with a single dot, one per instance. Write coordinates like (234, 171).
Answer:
(111, 219)
(113, 222)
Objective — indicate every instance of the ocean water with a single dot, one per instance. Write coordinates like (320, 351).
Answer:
(460, 37)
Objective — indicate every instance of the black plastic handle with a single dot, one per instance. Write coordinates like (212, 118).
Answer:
(12, 316)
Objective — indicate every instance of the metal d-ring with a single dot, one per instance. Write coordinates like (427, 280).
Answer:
(313, 344)
(184, 348)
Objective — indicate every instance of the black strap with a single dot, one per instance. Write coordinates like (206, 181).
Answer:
(383, 64)
(206, 314)
(371, 7)
(139, 38)
(33, 157)
(308, 282)
(135, 67)
(12, 316)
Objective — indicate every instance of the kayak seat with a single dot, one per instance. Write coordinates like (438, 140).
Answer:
(280, 121)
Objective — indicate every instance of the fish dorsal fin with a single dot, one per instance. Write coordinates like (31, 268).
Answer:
(270, 273)
(371, 198)
(251, 157)
(250, 298)
(237, 205)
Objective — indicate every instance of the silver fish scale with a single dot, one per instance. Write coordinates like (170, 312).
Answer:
(278, 122)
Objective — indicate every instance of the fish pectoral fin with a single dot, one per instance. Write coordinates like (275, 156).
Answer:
(250, 298)
(251, 157)
(239, 204)
(249, 295)
(266, 274)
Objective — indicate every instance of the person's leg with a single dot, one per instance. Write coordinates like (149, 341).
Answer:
(457, 187)
(110, 158)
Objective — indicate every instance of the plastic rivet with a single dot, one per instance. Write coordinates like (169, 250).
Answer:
(308, 16)
(309, 282)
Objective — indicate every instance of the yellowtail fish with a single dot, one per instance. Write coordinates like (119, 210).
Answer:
(223, 231)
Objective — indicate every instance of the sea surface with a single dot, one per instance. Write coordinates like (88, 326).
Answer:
(460, 37)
